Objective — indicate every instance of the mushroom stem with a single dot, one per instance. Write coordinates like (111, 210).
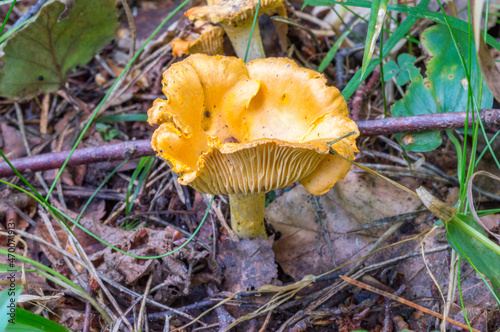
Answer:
(247, 215)
(240, 35)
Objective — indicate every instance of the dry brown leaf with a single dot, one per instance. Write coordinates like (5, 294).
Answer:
(13, 146)
(360, 198)
(180, 272)
(249, 264)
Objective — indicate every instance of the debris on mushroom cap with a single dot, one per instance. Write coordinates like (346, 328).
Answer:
(207, 40)
(231, 128)
(225, 11)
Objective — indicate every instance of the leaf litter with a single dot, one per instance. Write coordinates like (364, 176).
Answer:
(311, 235)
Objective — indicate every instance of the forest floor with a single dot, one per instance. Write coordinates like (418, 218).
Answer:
(308, 235)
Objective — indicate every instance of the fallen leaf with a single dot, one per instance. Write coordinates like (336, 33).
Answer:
(305, 248)
(13, 146)
(249, 264)
(38, 57)
(176, 271)
(71, 319)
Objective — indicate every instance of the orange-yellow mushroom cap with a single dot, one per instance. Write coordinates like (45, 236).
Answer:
(231, 11)
(206, 39)
(231, 128)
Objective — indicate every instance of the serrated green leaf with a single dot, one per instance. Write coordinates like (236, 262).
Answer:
(27, 321)
(442, 90)
(391, 69)
(8, 302)
(484, 259)
(37, 58)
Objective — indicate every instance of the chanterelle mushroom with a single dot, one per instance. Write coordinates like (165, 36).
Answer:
(243, 130)
(205, 38)
(236, 17)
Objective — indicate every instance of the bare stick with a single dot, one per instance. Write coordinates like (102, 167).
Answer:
(142, 148)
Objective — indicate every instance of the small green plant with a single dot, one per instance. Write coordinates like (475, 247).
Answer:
(107, 133)
(399, 69)
(445, 87)
(131, 224)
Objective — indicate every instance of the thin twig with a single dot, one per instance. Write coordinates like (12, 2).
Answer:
(31, 12)
(142, 148)
(403, 301)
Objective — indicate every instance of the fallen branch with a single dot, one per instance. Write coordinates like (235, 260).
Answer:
(142, 148)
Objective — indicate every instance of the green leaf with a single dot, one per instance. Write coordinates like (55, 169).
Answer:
(418, 11)
(377, 17)
(403, 77)
(102, 128)
(404, 59)
(8, 302)
(391, 69)
(442, 90)
(27, 321)
(484, 259)
(112, 134)
(396, 36)
(38, 57)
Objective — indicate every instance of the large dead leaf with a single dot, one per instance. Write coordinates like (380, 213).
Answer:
(249, 264)
(38, 57)
(177, 271)
(305, 248)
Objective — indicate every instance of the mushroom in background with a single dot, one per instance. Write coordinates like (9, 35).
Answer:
(243, 130)
(204, 38)
(236, 17)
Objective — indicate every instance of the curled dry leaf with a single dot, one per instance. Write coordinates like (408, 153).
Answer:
(248, 264)
(360, 198)
(180, 271)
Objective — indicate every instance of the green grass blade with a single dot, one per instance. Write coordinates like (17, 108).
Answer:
(375, 24)
(123, 117)
(399, 33)
(110, 175)
(134, 176)
(7, 17)
(27, 321)
(8, 302)
(148, 164)
(5, 268)
(418, 11)
(60, 213)
(255, 17)
(331, 52)
(460, 293)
